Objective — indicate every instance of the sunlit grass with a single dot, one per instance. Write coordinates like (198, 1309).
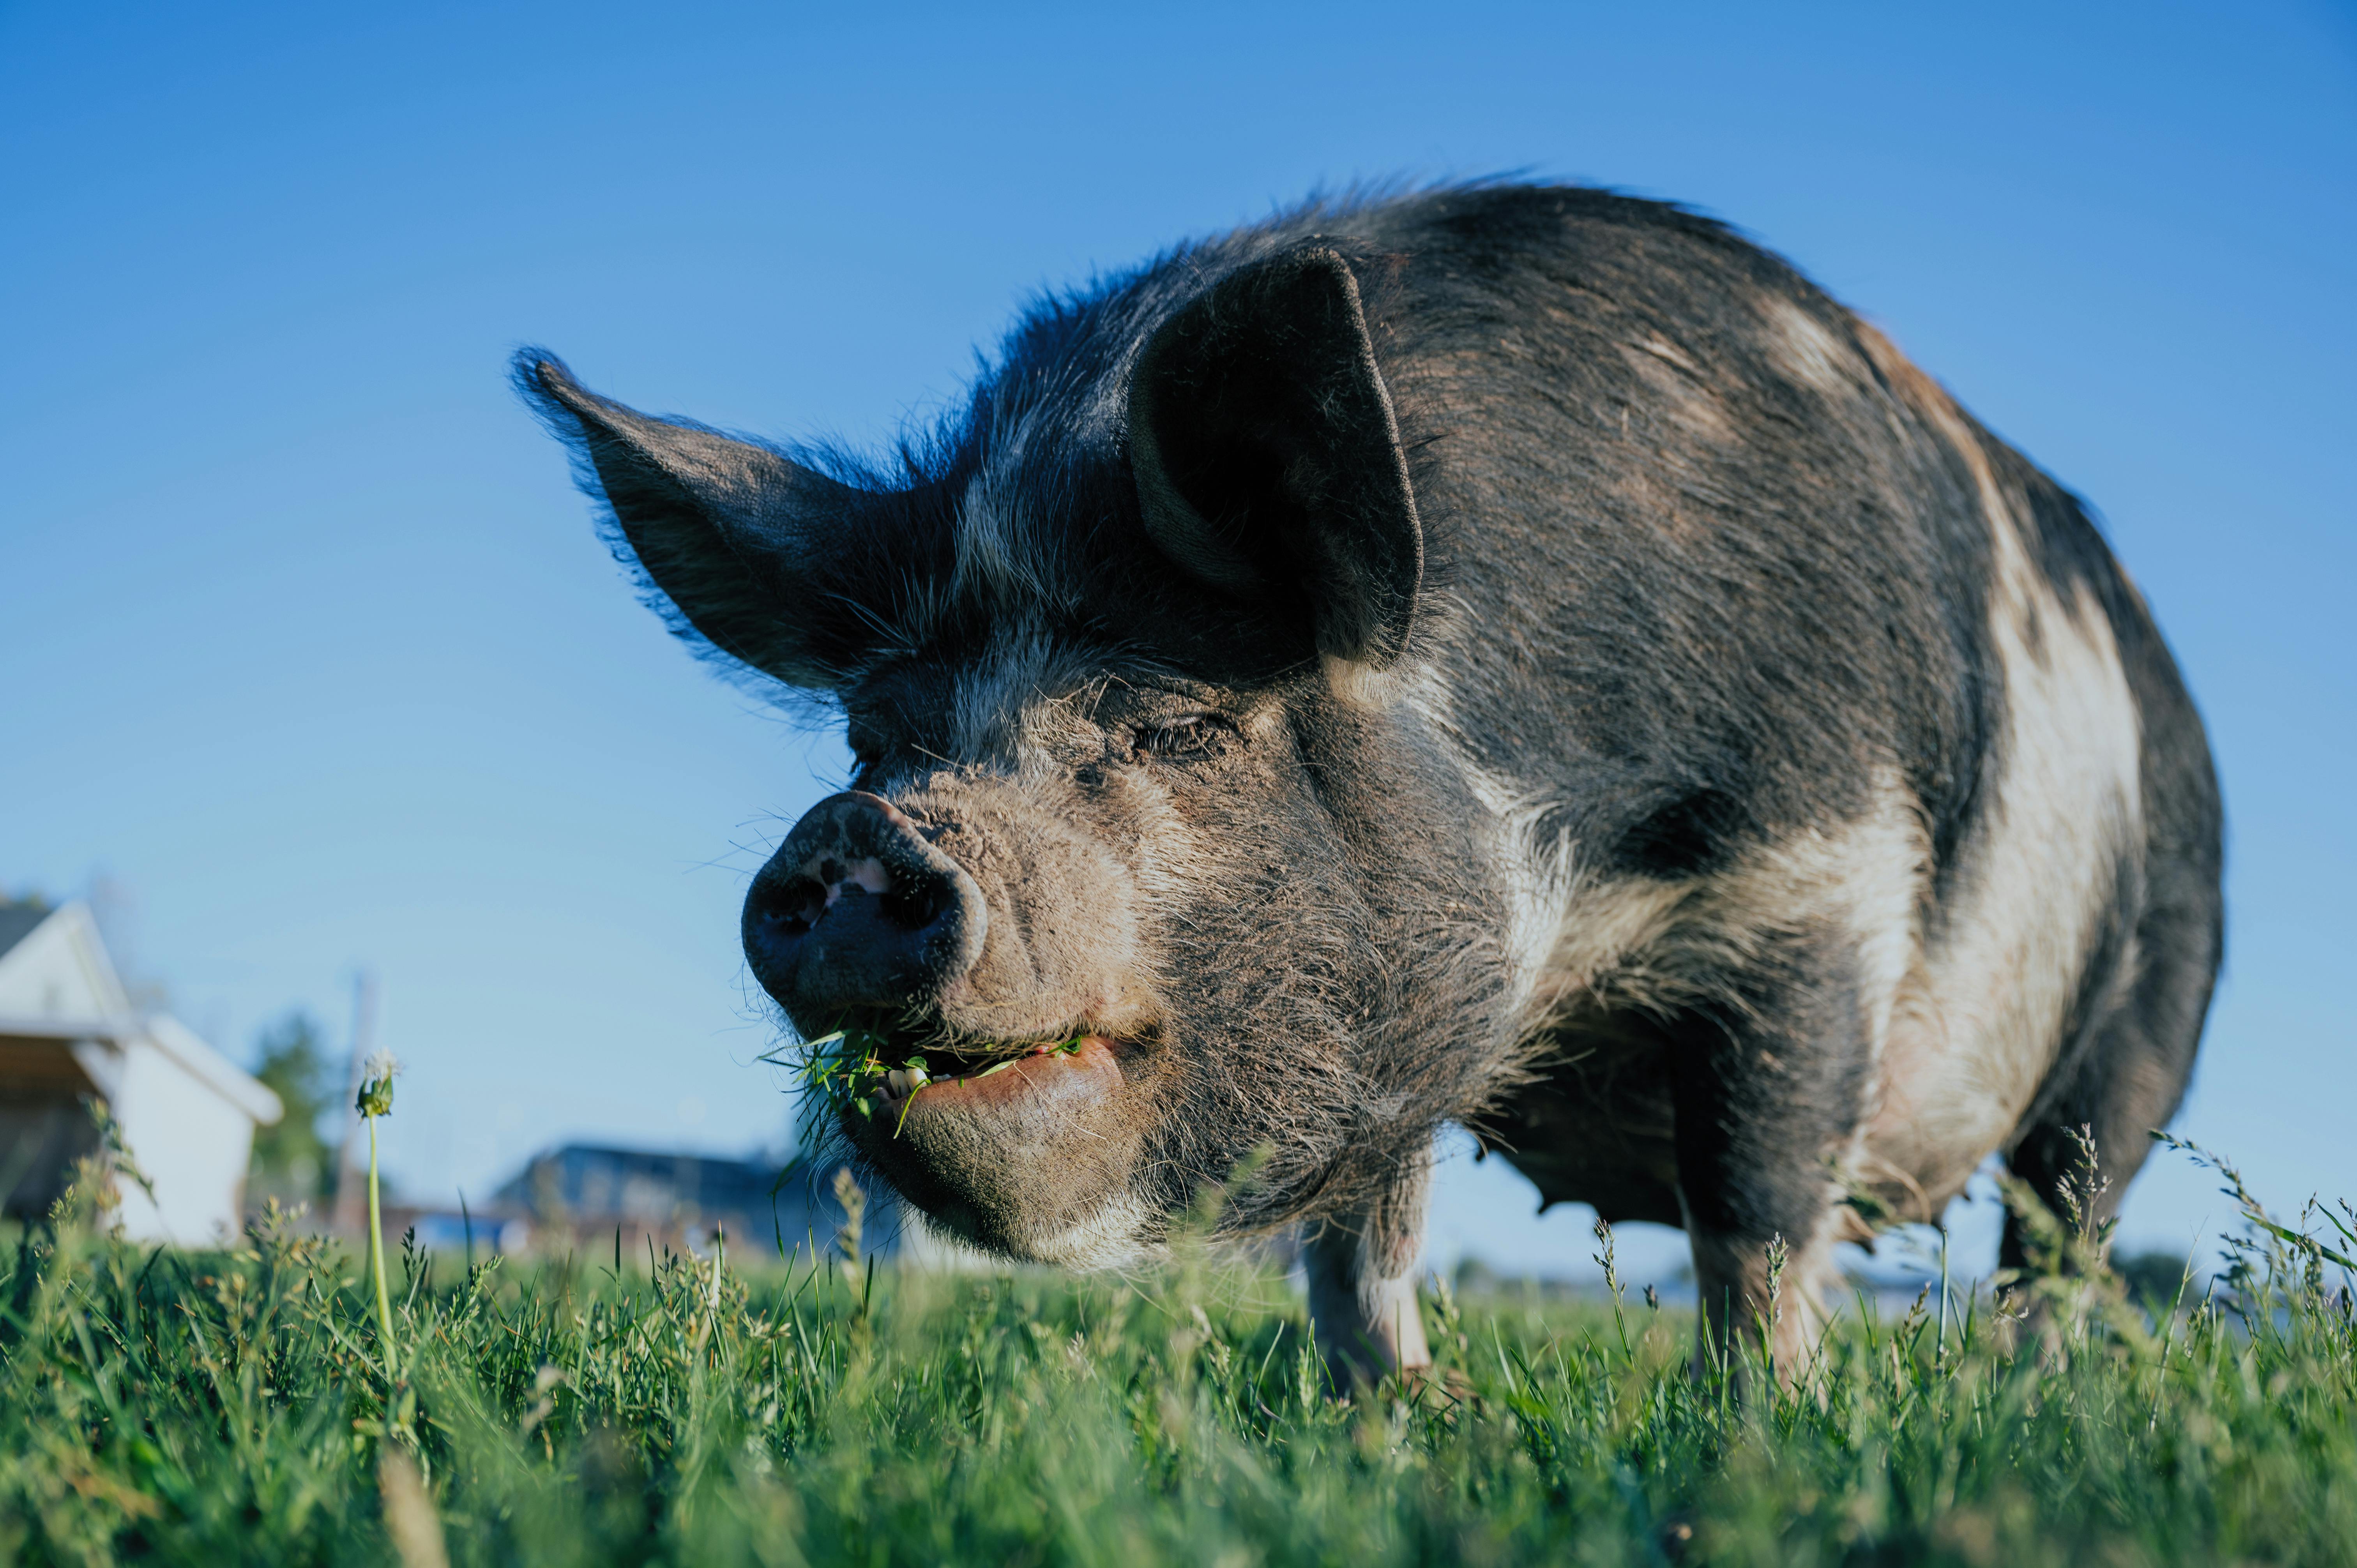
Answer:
(230, 1407)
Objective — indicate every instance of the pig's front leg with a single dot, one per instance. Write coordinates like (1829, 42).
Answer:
(1767, 1098)
(1362, 1268)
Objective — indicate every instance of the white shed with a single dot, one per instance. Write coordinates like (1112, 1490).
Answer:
(187, 1114)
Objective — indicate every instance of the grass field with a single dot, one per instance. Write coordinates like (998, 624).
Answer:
(232, 1408)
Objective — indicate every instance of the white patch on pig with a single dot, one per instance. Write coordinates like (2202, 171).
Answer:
(1002, 563)
(1686, 395)
(867, 875)
(1663, 349)
(994, 692)
(996, 563)
(1566, 925)
(2063, 826)
(1964, 1018)
(1864, 877)
(1534, 870)
(1107, 1238)
(1805, 350)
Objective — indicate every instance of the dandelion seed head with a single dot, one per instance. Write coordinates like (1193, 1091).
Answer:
(377, 1074)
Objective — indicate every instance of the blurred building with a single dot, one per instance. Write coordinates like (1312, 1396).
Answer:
(593, 1196)
(69, 1032)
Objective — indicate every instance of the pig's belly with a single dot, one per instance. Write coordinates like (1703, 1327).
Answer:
(1595, 1127)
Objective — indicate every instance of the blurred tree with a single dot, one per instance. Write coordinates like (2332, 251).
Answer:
(294, 1162)
(2153, 1279)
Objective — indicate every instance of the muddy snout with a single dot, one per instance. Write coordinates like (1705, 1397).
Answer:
(857, 909)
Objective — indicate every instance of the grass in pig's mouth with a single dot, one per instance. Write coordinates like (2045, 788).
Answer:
(873, 1066)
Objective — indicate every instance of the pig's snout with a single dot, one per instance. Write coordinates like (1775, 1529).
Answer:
(857, 909)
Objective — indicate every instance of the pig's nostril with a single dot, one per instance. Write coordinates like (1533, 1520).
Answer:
(914, 908)
(796, 907)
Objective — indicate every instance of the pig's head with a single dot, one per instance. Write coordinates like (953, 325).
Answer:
(1136, 661)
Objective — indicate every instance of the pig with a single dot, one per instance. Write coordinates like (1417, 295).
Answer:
(1508, 655)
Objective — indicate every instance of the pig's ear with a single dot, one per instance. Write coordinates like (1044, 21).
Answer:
(1267, 459)
(723, 530)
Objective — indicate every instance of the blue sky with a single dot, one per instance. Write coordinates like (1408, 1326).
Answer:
(311, 652)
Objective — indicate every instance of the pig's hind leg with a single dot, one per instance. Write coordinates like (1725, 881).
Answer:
(2128, 1081)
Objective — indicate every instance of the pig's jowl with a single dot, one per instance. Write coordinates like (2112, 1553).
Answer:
(1511, 655)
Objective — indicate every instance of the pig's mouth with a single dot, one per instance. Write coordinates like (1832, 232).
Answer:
(1024, 1149)
(947, 1081)
(886, 1073)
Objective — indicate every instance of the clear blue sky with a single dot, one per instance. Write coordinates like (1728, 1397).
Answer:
(308, 644)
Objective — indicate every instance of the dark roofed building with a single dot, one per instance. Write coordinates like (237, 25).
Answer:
(592, 1190)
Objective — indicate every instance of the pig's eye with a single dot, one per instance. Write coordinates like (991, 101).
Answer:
(1194, 736)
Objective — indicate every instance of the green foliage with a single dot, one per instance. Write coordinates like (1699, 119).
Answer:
(2153, 1279)
(845, 1072)
(292, 1161)
(227, 1407)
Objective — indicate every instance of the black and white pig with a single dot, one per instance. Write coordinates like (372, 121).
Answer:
(1511, 655)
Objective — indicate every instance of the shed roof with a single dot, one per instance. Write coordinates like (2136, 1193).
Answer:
(20, 919)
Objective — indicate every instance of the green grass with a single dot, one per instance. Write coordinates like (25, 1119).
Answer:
(231, 1407)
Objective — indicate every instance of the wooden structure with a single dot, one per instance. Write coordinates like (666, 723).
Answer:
(69, 1036)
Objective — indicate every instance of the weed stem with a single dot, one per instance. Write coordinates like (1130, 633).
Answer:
(376, 1265)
